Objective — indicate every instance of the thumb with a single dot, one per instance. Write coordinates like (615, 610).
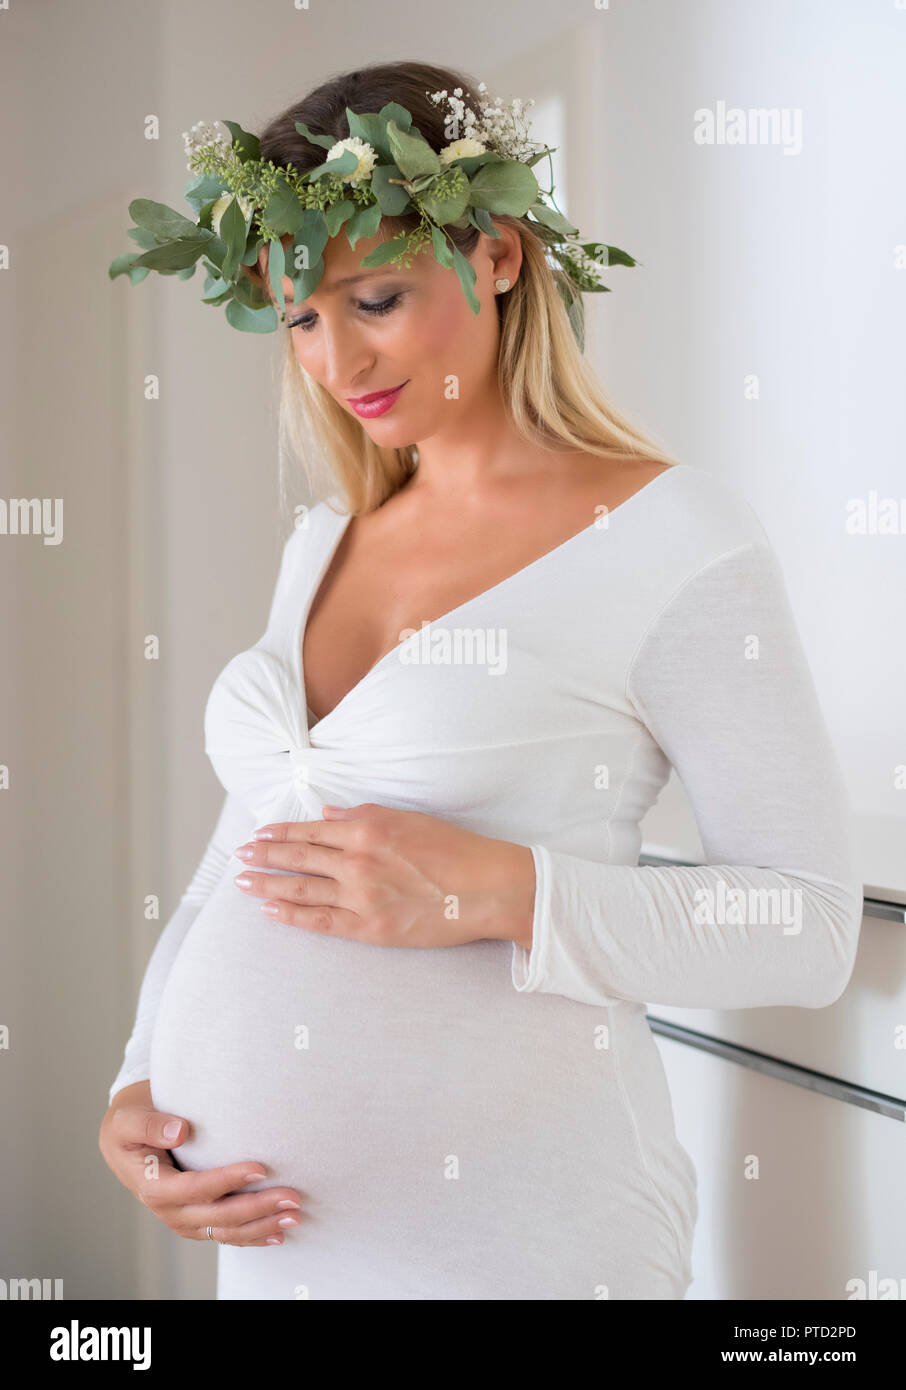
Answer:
(168, 1131)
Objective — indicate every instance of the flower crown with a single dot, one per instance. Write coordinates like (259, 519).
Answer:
(384, 168)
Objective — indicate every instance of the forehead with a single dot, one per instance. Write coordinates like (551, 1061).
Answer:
(343, 269)
(343, 263)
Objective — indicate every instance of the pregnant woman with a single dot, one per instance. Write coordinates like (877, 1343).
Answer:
(393, 1044)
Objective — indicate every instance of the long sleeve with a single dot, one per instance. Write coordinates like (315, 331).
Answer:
(721, 682)
(234, 825)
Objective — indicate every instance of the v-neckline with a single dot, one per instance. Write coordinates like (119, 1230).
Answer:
(300, 627)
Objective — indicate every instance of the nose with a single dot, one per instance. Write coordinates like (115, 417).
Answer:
(347, 357)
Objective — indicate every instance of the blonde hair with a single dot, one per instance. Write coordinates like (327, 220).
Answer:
(548, 387)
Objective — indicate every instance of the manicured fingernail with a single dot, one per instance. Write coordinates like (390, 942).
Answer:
(172, 1128)
(244, 852)
(254, 1177)
(275, 1240)
(287, 1203)
(263, 835)
(242, 881)
(288, 1221)
(270, 908)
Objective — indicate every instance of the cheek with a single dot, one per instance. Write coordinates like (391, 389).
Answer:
(452, 334)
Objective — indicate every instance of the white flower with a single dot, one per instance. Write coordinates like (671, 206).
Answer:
(220, 207)
(503, 129)
(204, 133)
(461, 149)
(366, 155)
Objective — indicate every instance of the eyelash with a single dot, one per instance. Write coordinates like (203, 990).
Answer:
(385, 306)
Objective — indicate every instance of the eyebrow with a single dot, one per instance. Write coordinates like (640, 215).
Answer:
(351, 279)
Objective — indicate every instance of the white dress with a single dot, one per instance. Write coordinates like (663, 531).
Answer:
(478, 1121)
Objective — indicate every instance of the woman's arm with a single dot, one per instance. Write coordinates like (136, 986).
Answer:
(234, 825)
(722, 683)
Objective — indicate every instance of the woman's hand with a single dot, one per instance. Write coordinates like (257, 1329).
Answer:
(135, 1140)
(391, 878)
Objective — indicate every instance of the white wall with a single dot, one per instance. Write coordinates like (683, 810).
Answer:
(753, 262)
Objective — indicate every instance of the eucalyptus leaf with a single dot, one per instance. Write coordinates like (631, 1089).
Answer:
(187, 273)
(305, 282)
(283, 211)
(466, 272)
(419, 185)
(576, 316)
(123, 265)
(607, 255)
(276, 266)
(232, 231)
(249, 146)
(345, 163)
(215, 250)
(247, 292)
(541, 154)
(163, 221)
(442, 250)
(507, 187)
(175, 255)
(206, 188)
(413, 155)
(481, 218)
(394, 112)
(325, 142)
(372, 129)
(447, 209)
(364, 224)
(205, 211)
(468, 163)
(337, 214)
(386, 251)
(215, 290)
(144, 238)
(312, 234)
(251, 320)
(392, 197)
(550, 217)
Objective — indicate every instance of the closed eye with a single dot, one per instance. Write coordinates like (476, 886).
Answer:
(383, 306)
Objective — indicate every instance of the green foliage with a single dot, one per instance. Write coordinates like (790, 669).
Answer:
(506, 186)
(251, 320)
(270, 203)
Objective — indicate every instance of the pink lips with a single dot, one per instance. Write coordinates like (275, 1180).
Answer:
(377, 403)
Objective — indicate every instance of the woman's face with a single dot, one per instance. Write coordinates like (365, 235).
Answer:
(392, 326)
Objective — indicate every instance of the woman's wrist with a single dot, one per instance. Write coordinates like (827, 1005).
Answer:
(512, 903)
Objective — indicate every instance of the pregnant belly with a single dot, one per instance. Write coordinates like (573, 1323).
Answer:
(324, 1058)
(366, 1077)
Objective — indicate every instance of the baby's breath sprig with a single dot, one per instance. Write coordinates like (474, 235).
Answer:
(383, 168)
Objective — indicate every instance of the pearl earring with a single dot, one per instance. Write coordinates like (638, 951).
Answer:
(501, 286)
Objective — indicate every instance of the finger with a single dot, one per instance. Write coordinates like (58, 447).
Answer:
(294, 856)
(182, 1188)
(268, 1231)
(244, 1208)
(327, 921)
(336, 834)
(294, 888)
(139, 1124)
